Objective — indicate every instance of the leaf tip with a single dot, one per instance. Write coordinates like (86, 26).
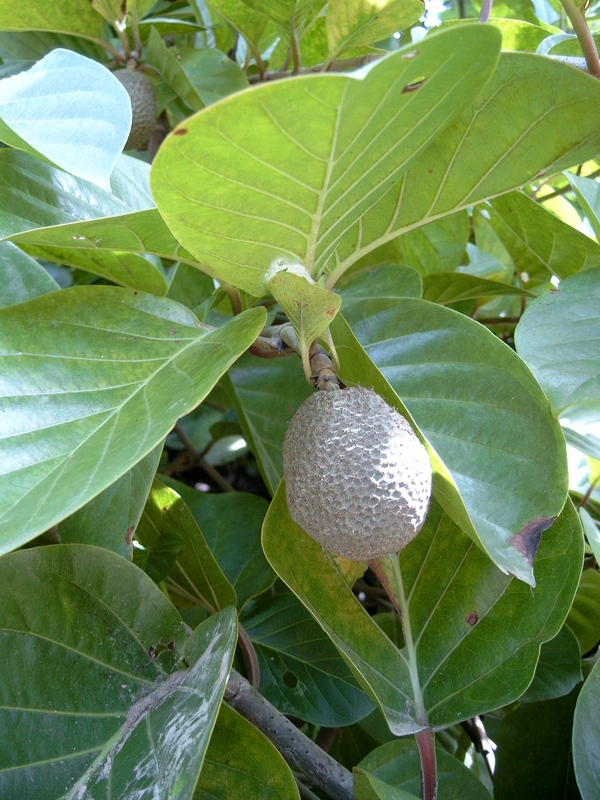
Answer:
(527, 540)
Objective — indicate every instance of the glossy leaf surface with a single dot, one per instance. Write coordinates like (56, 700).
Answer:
(378, 289)
(59, 730)
(69, 109)
(284, 188)
(558, 670)
(89, 390)
(505, 456)
(475, 632)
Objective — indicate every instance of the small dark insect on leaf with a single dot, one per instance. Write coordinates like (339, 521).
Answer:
(412, 87)
(180, 131)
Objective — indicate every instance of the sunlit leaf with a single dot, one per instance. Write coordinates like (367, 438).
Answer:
(71, 110)
(91, 387)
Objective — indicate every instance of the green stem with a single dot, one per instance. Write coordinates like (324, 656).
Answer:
(586, 40)
(387, 570)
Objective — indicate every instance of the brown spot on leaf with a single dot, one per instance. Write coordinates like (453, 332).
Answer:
(412, 87)
(472, 618)
(527, 540)
(129, 534)
(180, 131)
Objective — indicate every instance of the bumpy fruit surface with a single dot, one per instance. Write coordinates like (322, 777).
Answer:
(358, 480)
(143, 107)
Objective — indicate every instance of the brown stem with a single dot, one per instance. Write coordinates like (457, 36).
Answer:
(300, 751)
(196, 458)
(477, 734)
(584, 500)
(250, 657)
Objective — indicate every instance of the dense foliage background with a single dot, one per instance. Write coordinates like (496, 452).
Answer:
(418, 198)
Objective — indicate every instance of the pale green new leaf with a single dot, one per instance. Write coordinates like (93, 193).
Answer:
(308, 307)
(92, 379)
(68, 16)
(355, 23)
(69, 109)
(288, 14)
(313, 156)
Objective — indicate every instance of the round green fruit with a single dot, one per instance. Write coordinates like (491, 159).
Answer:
(358, 479)
(143, 106)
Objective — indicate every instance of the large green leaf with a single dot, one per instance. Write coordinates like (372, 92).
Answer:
(175, 550)
(110, 519)
(481, 410)
(559, 338)
(301, 672)
(68, 16)
(288, 14)
(93, 379)
(69, 109)
(540, 244)
(242, 763)
(397, 765)
(230, 525)
(168, 67)
(473, 633)
(355, 23)
(123, 719)
(535, 115)
(546, 769)
(21, 277)
(314, 155)
(586, 737)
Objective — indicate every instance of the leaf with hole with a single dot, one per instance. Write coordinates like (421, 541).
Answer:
(301, 672)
